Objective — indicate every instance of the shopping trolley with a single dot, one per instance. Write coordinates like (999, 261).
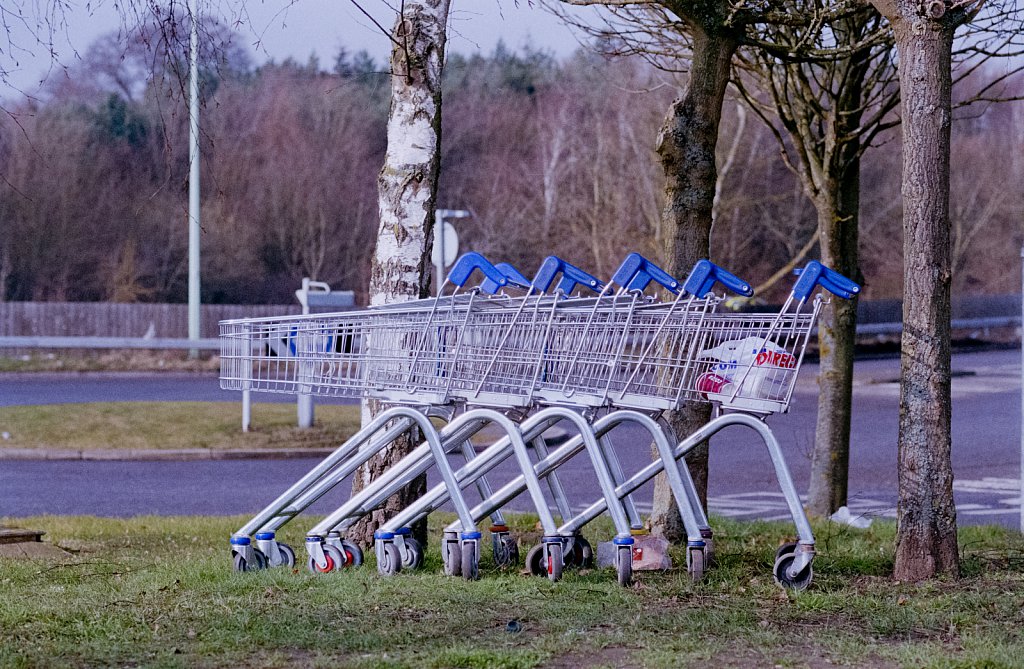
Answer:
(520, 335)
(746, 365)
(509, 374)
(402, 354)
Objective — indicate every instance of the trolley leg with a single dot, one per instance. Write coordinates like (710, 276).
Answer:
(554, 485)
(615, 469)
(482, 485)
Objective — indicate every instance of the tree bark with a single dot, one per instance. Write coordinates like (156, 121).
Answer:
(926, 540)
(830, 459)
(686, 146)
(407, 191)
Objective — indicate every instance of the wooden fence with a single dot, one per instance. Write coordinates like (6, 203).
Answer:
(106, 319)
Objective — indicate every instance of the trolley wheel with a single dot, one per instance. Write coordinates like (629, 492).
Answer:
(709, 552)
(412, 558)
(582, 553)
(390, 562)
(624, 565)
(696, 563)
(470, 560)
(785, 549)
(287, 555)
(798, 581)
(452, 557)
(535, 561)
(335, 560)
(259, 561)
(507, 554)
(353, 553)
(554, 560)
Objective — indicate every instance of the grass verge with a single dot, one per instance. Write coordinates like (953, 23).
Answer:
(110, 361)
(160, 592)
(171, 425)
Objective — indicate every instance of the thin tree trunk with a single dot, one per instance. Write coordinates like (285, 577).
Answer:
(926, 541)
(830, 461)
(407, 189)
(686, 146)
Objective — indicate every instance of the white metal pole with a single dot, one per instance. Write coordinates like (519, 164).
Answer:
(1022, 389)
(304, 403)
(439, 245)
(246, 410)
(193, 181)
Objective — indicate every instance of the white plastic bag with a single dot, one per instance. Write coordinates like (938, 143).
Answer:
(762, 368)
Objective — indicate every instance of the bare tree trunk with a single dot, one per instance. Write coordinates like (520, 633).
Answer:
(926, 540)
(407, 188)
(687, 149)
(838, 223)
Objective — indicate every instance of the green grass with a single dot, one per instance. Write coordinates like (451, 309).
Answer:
(110, 361)
(160, 592)
(171, 425)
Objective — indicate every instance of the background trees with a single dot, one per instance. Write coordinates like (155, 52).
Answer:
(553, 156)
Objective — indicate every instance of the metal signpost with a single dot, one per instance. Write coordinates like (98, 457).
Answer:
(446, 241)
(1022, 389)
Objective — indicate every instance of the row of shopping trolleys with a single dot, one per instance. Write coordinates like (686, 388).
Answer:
(498, 351)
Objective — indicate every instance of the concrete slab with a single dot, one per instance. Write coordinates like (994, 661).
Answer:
(33, 550)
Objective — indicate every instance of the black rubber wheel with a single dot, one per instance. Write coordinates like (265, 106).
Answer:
(555, 561)
(287, 555)
(335, 560)
(535, 561)
(582, 554)
(451, 554)
(412, 558)
(507, 554)
(390, 562)
(785, 549)
(624, 565)
(696, 563)
(798, 581)
(259, 561)
(353, 554)
(470, 560)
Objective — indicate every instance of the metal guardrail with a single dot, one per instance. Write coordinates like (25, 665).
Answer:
(110, 342)
(213, 344)
(956, 324)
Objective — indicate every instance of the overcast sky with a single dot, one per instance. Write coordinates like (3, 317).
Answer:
(307, 27)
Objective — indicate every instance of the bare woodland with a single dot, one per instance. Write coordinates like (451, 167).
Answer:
(552, 156)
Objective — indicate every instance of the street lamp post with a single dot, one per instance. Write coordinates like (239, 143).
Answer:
(193, 181)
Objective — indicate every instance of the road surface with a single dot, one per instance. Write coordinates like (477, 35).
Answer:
(986, 451)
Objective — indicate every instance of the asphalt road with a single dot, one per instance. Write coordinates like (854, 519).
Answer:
(986, 451)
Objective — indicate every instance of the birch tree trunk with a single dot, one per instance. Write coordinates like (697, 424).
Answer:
(926, 541)
(686, 146)
(407, 190)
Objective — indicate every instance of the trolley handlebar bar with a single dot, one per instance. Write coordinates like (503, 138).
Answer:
(468, 263)
(816, 274)
(704, 275)
(636, 273)
(572, 276)
(514, 276)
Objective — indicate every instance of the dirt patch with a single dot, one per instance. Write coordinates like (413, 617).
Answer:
(620, 657)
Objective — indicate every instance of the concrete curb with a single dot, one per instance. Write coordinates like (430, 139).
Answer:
(181, 455)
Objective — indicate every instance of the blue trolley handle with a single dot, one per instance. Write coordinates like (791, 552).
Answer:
(636, 273)
(705, 274)
(572, 276)
(514, 277)
(816, 274)
(468, 263)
